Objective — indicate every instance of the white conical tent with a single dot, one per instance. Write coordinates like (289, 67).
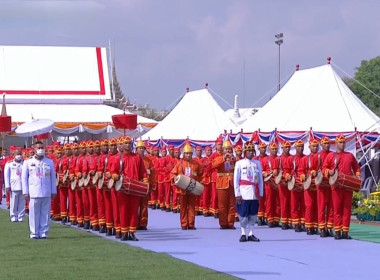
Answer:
(314, 98)
(197, 116)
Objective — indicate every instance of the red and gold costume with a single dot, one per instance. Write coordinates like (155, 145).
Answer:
(83, 204)
(286, 165)
(263, 158)
(163, 179)
(297, 204)
(345, 163)
(310, 195)
(92, 161)
(324, 200)
(133, 168)
(192, 169)
(153, 202)
(62, 168)
(224, 166)
(206, 181)
(74, 203)
(214, 205)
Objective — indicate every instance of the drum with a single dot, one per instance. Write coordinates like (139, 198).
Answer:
(321, 181)
(81, 182)
(279, 179)
(271, 181)
(110, 183)
(95, 178)
(295, 184)
(131, 186)
(74, 183)
(188, 184)
(65, 175)
(345, 181)
(86, 180)
(102, 182)
(309, 183)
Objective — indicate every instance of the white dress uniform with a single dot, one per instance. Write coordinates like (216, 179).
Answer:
(248, 184)
(39, 182)
(12, 180)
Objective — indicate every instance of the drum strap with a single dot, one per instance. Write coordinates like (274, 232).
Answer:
(270, 164)
(336, 162)
(121, 165)
(294, 165)
(105, 164)
(59, 165)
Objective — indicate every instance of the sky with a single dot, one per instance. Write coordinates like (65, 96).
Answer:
(161, 47)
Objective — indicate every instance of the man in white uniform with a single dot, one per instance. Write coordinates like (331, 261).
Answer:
(248, 187)
(12, 181)
(39, 186)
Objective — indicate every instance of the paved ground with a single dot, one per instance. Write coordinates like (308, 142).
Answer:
(279, 255)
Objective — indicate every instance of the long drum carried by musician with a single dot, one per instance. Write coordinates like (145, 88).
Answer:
(295, 184)
(321, 181)
(190, 185)
(345, 181)
(132, 187)
(74, 183)
(270, 179)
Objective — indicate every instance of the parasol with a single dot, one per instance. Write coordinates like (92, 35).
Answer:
(35, 127)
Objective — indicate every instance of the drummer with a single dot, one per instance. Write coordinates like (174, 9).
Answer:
(297, 204)
(310, 194)
(271, 193)
(344, 163)
(325, 209)
(190, 168)
(263, 158)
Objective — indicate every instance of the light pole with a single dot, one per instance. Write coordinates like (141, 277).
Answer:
(278, 42)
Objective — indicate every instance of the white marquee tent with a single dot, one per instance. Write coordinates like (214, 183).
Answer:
(314, 98)
(197, 117)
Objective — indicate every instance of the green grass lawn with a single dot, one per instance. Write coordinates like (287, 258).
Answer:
(74, 254)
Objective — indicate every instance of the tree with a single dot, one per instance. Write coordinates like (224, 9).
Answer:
(366, 82)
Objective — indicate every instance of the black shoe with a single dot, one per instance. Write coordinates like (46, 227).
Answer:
(113, 231)
(191, 228)
(298, 228)
(253, 238)
(64, 220)
(223, 227)
(338, 235)
(102, 229)
(206, 215)
(284, 227)
(316, 231)
(86, 225)
(124, 237)
(271, 225)
(132, 237)
(330, 233)
(109, 232)
(216, 216)
(175, 211)
(303, 227)
(81, 225)
(231, 227)
(309, 231)
(163, 208)
(260, 222)
(158, 207)
(142, 228)
(184, 228)
(323, 233)
(150, 206)
(118, 235)
(95, 228)
(243, 238)
(154, 207)
(168, 210)
(346, 236)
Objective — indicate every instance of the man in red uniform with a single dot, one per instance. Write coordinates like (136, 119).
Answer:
(154, 202)
(310, 195)
(263, 158)
(63, 187)
(214, 191)
(75, 204)
(113, 171)
(80, 192)
(297, 204)
(102, 190)
(344, 163)
(192, 169)
(175, 159)
(271, 192)
(325, 207)
(206, 181)
(55, 212)
(224, 164)
(170, 163)
(285, 165)
(143, 210)
(198, 201)
(90, 168)
(133, 168)
(163, 184)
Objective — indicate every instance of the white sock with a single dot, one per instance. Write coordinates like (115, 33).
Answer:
(250, 233)
(242, 231)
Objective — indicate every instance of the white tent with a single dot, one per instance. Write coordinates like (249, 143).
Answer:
(197, 116)
(314, 98)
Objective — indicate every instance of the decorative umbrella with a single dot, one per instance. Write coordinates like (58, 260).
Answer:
(125, 121)
(5, 121)
(35, 127)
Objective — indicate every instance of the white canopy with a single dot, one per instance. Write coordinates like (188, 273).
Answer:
(73, 113)
(197, 117)
(314, 98)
